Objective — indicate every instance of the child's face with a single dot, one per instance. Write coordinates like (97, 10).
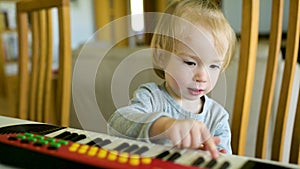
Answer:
(194, 68)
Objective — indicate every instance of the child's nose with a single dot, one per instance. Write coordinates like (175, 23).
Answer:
(201, 74)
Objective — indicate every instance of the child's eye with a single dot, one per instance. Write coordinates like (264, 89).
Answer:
(190, 63)
(215, 66)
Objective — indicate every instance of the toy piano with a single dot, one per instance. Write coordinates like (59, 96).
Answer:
(26, 144)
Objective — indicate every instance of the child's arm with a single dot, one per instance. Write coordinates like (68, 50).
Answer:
(184, 133)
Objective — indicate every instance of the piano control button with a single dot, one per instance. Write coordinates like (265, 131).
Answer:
(24, 141)
(73, 149)
(51, 140)
(112, 156)
(38, 144)
(93, 148)
(141, 150)
(198, 161)
(28, 134)
(75, 145)
(93, 151)
(162, 155)
(44, 142)
(123, 157)
(174, 156)
(121, 146)
(21, 136)
(102, 153)
(63, 142)
(39, 137)
(54, 146)
(146, 160)
(134, 160)
(12, 138)
(63, 135)
(83, 149)
(225, 165)
(131, 148)
(211, 163)
(32, 139)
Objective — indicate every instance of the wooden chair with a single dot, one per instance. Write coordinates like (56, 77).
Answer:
(36, 97)
(249, 40)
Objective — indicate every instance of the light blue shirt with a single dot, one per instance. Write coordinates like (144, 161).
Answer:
(152, 101)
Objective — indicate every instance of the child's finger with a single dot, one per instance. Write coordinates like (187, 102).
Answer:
(217, 140)
(211, 147)
(223, 151)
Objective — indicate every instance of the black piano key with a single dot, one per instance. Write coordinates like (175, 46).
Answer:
(250, 164)
(211, 163)
(62, 135)
(225, 165)
(131, 148)
(141, 150)
(78, 138)
(103, 143)
(162, 155)
(198, 161)
(121, 146)
(174, 156)
(71, 136)
(95, 141)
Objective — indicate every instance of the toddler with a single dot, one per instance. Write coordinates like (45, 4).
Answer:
(192, 44)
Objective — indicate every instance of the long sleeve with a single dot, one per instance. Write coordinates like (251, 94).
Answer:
(135, 120)
(223, 132)
(217, 120)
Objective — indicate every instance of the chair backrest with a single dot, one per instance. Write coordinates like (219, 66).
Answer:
(244, 90)
(36, 96)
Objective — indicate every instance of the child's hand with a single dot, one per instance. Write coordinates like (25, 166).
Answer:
(185, 134)
(217, 141)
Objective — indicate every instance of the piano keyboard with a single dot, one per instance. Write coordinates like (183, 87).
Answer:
(186, 157)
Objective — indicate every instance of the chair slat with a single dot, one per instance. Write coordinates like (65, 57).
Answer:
(295, 145)
(34, 65)
(42, 65)
(270, 78)
(48, 86)
(22, 21)
(288, 78)
(249, 38)
(65, 72)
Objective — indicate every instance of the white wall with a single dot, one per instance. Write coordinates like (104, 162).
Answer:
(82, 21)
(233, 11)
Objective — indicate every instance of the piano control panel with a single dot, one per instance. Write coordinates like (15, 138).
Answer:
(45, 146)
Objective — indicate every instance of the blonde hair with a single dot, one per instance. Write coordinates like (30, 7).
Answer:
(199, 12)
